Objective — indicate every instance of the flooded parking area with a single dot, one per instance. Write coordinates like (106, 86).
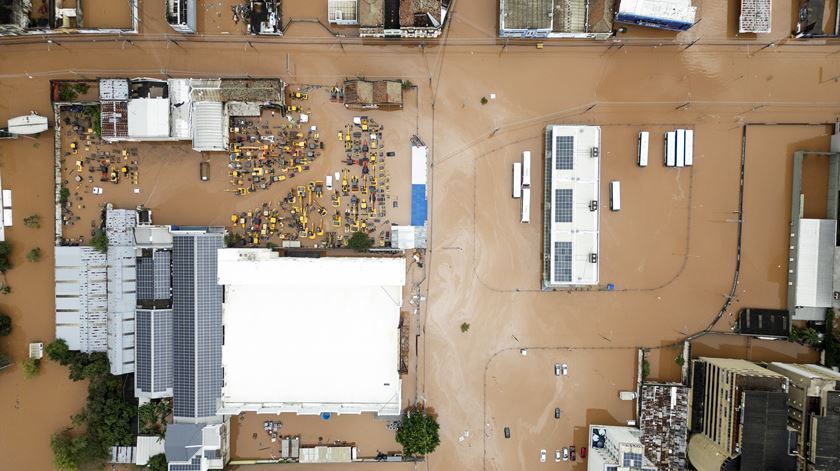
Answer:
(368, 433)
(523, 393)
(286, 178)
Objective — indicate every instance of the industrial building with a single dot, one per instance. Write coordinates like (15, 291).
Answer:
(614, 447)
(394, 18)
(199, 110)
(275, 311)
(763, 323)
(737, 418)
(577, 19)
(755, 16)
(663, 421)
(674, 15)
(814, 261)
(571, 206)
(813, 412)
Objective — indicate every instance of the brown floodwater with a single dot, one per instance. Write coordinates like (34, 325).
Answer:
(670, 251)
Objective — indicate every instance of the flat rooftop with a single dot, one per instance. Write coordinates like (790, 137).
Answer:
(310, 335)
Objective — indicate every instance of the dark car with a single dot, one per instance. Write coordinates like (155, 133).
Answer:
(556, 412)
(391, 154)
(572, 453)
(507, 432)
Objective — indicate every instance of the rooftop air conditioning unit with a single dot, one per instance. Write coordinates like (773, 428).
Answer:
(593, 205)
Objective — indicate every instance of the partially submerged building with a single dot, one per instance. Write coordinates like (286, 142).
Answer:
(351, 338)
(814, 261)
(737, 418)
(813, 411)
(615, 447)
(180, 14)
(663, 421)
(571, 206)
(763, 323)
(818, 19)
(755, 16)
(20, 17)
(399, 18)
(147, 109)
(379, 94)
(576, 19)
(674, 15)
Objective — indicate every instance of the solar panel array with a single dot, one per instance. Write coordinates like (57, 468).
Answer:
(564, 155)
(154, 276)
(197, 324)
(154, 350)
(563, 205)
(563, 261)
(194, 465)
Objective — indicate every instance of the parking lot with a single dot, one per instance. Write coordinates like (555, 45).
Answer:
(522, 393)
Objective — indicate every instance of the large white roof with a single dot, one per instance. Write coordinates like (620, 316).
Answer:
(148, 118)
(310, 335)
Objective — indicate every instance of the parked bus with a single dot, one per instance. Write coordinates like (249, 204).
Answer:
(526, 168)
(517, 179)
(642, 153)
(526, 205)
(615, 195)
(689, 147)
(680, 145)
(670, 149)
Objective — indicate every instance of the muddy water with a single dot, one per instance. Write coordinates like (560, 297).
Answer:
(672, 286)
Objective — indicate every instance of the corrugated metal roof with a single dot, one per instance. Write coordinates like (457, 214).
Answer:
(815, 262)
(208, 126)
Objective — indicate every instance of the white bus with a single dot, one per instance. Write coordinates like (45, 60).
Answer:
(689, 147)
(526, 168)
(642, 152)
(680, 147)
(526, 205)
(670, 149)
(615, 195)
(517, 179)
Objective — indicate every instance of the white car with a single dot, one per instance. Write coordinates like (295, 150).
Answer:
(565, 368)
(97, 190)
(565, 454)
(542, 456)
(556, 456)
(329, 182)
(557, 369)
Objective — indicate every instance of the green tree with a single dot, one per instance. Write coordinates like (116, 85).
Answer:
(64, 196)
(418, 432)
(152, 418)
(5, 325)
(465, 327)
(34, 255)
(32, 222)
(360, 241)
(680, 360)
(5, 253)
(67, 450)
(59, 352)
(99, 241)
(5, 288)
(157, 463)
(645, 369)
(30, 368)
(484, 100)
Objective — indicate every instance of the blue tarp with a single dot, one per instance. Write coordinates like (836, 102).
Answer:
(419, 205)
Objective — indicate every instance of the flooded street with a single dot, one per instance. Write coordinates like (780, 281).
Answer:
(671, 251)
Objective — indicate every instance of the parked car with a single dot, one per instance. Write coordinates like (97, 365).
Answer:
(507, 432)
(97, 190)
(557, 370)
(572, 452)
(582, 452)
(565, 369)
(556, 456)
(556, 412)
(565, 454)
(542, 456)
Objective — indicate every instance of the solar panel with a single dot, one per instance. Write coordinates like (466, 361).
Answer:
(563, 205)
(563, 262)
(194, 465)
(162, 349)
(564, 147)
(143, 365)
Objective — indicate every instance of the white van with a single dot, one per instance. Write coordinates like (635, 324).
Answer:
(615, 195)
(671, 149)
(526, 205)
(329, 182)
(626, 395)
(517, 179)
(642, 152)
(526, 168)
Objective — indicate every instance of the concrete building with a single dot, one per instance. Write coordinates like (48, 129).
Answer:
(663, 421)
(401, 18)
(674, 15)
(197, 447)
(613, 448)
(813, 279)
(737, 417)
(180, 14)
(364, 94)
(81, 298)
(275, 310)
(576, 19)
(812, 389)
(571, 206)
(17, 18)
